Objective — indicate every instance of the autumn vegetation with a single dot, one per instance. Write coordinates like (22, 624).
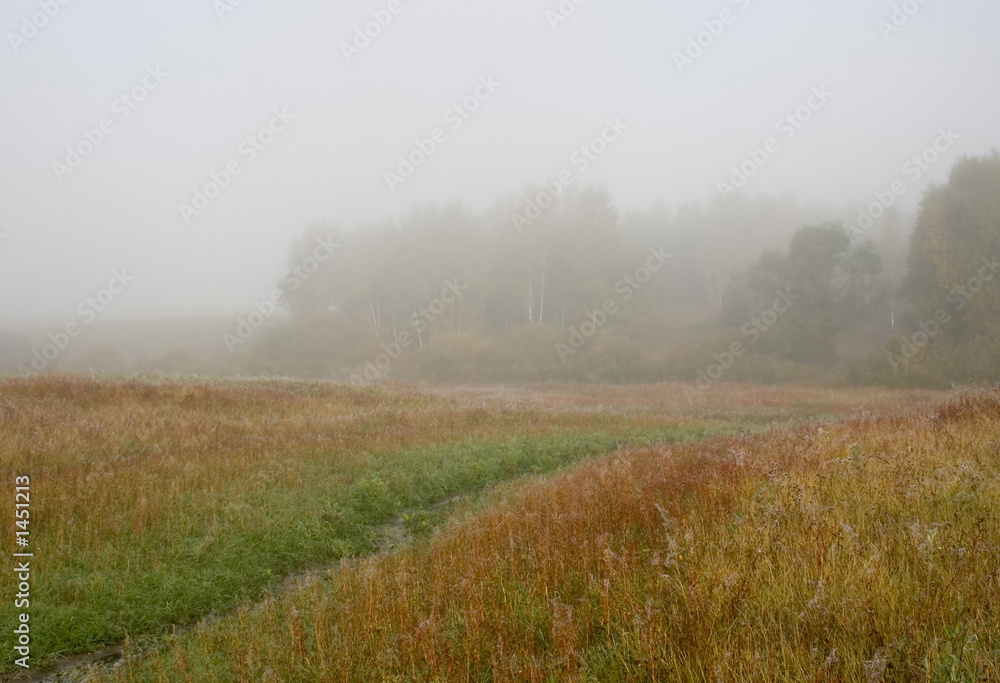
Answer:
(158, 502)
(904, 300)
(575, 532)
(695, 529)
(860, 551)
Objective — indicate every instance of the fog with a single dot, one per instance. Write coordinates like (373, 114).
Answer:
(211, 76)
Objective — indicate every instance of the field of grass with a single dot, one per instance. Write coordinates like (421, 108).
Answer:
(635, 549)
(861, 551)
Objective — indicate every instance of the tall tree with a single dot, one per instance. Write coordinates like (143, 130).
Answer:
(953, 265)
(810, 295)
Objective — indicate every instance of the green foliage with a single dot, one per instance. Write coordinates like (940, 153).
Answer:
(526, 286)
(833, 283)
(953, 277)
(957, 661)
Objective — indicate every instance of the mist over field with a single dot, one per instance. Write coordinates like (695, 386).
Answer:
(166, 169)
(562, 340)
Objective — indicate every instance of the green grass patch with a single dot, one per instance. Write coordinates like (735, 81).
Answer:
(197, 563)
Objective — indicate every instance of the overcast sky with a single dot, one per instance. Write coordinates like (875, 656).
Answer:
(210, 79)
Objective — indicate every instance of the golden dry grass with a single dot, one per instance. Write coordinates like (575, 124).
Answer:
(867, 550)
(156, 502)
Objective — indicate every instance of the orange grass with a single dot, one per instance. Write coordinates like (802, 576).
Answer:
(862, 551)
(157, 502)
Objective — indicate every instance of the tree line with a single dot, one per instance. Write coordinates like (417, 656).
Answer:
(886, 306)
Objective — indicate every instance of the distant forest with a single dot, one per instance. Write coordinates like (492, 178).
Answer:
(562, 286)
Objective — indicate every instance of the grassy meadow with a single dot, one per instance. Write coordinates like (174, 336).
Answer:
(292, 531)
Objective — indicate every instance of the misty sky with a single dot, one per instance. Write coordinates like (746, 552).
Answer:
(219, 80)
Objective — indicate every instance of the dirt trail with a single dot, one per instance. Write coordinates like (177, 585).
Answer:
(387, 538)
(65, 664)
